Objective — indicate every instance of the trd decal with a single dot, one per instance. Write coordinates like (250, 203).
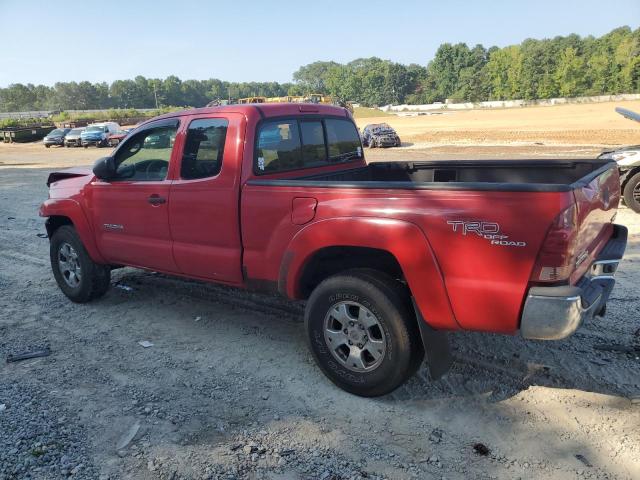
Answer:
(487, 230)
(112, 226)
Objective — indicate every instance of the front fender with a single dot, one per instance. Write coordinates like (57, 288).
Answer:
(71, 209)
(404, 240)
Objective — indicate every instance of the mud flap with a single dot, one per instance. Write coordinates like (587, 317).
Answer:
(436, 346)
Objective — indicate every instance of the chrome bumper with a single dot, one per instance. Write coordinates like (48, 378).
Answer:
(552, 313)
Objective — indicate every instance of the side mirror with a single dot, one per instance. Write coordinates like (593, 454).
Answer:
(105, 168)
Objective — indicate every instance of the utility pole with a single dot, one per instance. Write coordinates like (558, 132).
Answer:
(155, 94)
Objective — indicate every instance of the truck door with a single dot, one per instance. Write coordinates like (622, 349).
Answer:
(130, 212)
(204, 207)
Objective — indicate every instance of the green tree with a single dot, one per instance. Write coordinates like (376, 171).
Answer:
(569, 74)
(312, 77)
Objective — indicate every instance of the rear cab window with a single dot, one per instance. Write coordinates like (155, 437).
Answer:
(305, 142)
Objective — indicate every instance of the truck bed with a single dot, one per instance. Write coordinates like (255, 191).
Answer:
(504, 175)
(486, 282)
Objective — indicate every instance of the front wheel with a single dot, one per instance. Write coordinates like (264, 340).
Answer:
(631, 193)
(362, 333)
(79, 277)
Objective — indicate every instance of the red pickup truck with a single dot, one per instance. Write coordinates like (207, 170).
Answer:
(388, 256)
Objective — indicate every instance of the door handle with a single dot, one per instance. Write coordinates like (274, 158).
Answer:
(156, 199)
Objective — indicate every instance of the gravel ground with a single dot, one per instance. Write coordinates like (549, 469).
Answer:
(229, 390)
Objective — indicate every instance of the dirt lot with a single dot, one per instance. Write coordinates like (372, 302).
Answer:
(563, 130)
(229, 390)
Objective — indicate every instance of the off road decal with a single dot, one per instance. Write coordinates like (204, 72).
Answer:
(488, 230)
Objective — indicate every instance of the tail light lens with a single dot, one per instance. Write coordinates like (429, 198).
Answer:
(556, 260)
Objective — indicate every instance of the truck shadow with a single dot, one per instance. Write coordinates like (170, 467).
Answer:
(493, 367)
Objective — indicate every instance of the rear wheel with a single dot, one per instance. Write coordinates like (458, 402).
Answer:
(631, 193)
(362, 332)
(79, 277)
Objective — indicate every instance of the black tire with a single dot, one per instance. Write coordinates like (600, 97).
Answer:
(94, 279)
(47, 146)
(632, 187)
(388, 302)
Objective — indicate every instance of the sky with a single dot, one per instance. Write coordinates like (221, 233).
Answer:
(44, 42)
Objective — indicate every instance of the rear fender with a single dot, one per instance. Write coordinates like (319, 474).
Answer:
(71, 209)
(404, 240)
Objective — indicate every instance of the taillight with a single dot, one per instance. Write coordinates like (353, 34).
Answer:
(556, 260)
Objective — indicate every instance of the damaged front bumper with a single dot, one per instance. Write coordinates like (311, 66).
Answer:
(552, 313)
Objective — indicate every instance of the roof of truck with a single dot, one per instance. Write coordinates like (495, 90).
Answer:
(264, 110)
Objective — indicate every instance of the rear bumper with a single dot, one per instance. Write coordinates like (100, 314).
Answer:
(552, 313)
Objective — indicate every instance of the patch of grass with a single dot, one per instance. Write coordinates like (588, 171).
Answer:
(37, 452)
(364, 112)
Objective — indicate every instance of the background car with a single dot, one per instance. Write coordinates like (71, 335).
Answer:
(56, 137)
(379, 135)
(98, 134)
(159, 140)
(628, 160)
(118, 136)
(73, 138)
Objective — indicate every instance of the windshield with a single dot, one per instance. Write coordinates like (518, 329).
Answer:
(95, 129)
(76, 131)
(57, 131)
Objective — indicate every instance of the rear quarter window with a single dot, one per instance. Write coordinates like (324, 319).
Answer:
(278, 146)
(299, 143)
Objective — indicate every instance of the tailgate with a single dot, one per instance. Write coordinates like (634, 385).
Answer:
(597, 197)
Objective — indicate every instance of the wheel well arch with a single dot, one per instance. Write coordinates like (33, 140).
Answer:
(329, 261)
(54, 222)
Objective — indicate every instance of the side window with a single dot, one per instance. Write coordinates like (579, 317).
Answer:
(204, 148)
(145, 156)
(278, 146)
(343, 140)
(313, 147)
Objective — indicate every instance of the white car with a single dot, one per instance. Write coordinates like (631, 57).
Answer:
(628, 160)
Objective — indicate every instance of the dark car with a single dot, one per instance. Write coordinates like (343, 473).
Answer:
(160, 140)
(56, 137)
(380, 135)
